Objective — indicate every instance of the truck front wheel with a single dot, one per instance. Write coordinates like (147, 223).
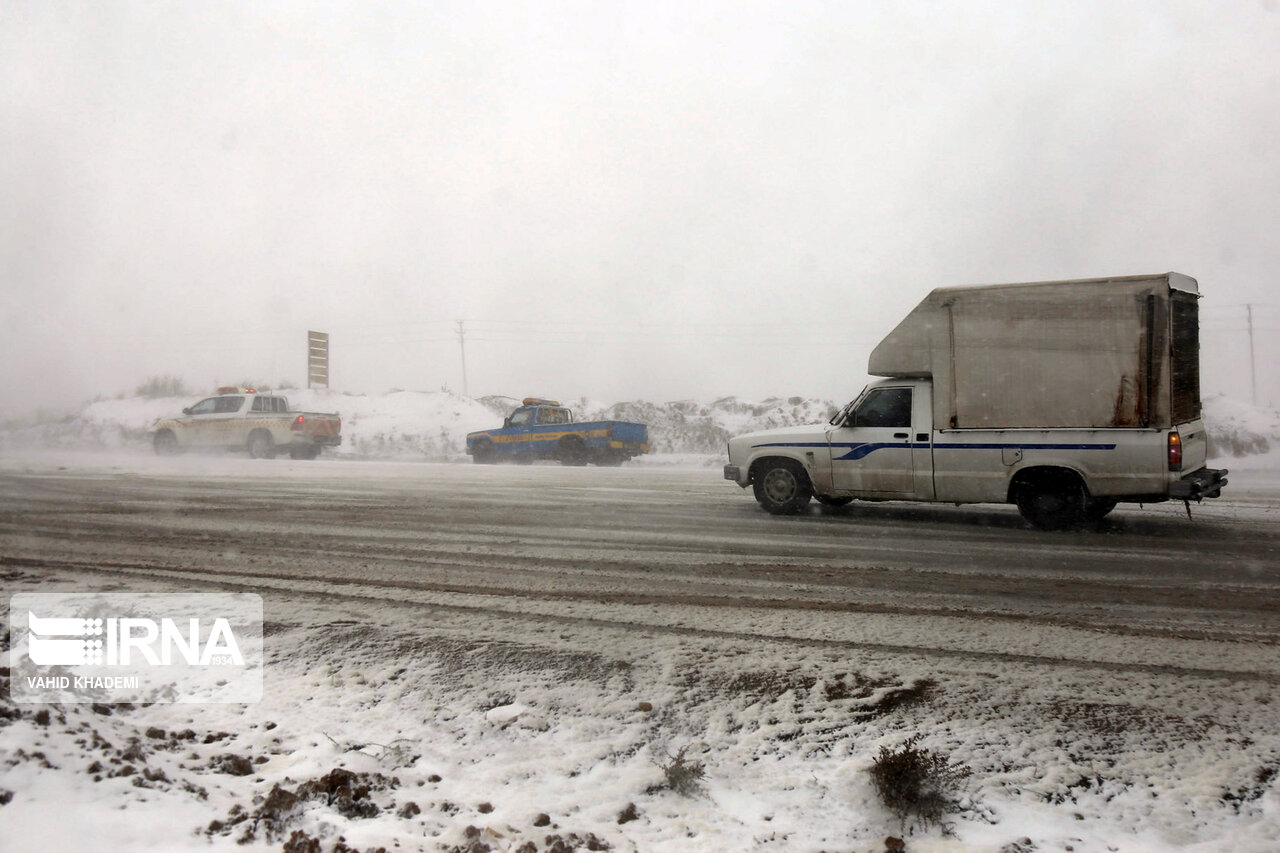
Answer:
(781, 486)
(165, 443)
(484, 453)
(1052, 502)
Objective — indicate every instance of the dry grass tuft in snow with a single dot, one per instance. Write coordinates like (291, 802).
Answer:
(917, 784)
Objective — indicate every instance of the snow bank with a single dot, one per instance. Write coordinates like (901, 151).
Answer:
(1241, 433)
(433, 425)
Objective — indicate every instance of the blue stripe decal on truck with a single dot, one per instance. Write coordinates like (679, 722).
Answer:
(864, 449)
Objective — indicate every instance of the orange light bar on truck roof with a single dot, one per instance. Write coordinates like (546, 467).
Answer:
(538, 401)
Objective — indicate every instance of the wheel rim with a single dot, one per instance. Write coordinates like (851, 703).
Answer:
(780, 485)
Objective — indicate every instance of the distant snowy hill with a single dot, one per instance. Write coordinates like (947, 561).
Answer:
(434, 424)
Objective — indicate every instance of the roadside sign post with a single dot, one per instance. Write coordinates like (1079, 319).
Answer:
(317, 359)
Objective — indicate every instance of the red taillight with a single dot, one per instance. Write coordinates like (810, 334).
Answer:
(1175, 452)
(297, 423)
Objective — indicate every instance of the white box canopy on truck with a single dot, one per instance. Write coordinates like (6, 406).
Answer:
(1094, 353)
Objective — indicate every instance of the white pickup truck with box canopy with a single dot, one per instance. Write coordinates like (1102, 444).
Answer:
(1063, 398)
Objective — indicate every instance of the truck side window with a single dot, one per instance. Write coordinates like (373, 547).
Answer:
(228, 405)
(521, 417)
(259, 404)
(205, 407)
(885, 407)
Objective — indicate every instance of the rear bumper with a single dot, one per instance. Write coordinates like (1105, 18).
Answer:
(635, 448)
(316, 440)
(1205, 483)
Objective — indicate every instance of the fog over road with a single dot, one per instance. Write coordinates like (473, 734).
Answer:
(677, 549)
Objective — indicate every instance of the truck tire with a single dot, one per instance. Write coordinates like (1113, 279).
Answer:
(1052, 501)
(781, 486)
(165, 443)
(483, 453)
(1097, 508)
(260, 445)
(572, 451)
(828, 500)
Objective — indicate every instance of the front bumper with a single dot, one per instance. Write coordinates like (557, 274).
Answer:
(735, 473)
(1205, 483)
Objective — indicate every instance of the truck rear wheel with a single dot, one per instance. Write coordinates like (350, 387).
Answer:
(1097, 508)
(572, 451)
(1052, 502)
(260, 445)
(781, 486)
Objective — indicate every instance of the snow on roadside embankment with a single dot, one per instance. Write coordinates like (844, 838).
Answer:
(428, 425)
(393, 726)
(1241, 433)
(433, 425)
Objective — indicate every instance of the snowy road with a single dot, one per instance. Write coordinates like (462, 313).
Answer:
(680, 549)
(1153, 640)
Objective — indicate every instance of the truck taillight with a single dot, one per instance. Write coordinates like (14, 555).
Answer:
(297, 423)
(1175, 452)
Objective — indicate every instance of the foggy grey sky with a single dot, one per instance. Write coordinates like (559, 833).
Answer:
(620, 200)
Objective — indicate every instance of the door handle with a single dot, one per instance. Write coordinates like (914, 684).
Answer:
(900, 435)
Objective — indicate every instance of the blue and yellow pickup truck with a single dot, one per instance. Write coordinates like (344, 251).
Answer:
(543, 429)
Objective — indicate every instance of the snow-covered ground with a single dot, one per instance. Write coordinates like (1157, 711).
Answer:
(388, 724)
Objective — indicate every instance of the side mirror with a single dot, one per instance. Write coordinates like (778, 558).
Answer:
(506, 422)
(187, 410)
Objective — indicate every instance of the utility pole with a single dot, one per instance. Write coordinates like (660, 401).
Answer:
(462, 344)
(1253, 375)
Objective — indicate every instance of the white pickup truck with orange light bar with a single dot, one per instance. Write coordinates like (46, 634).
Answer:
(243, 419)
(1064, 398)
